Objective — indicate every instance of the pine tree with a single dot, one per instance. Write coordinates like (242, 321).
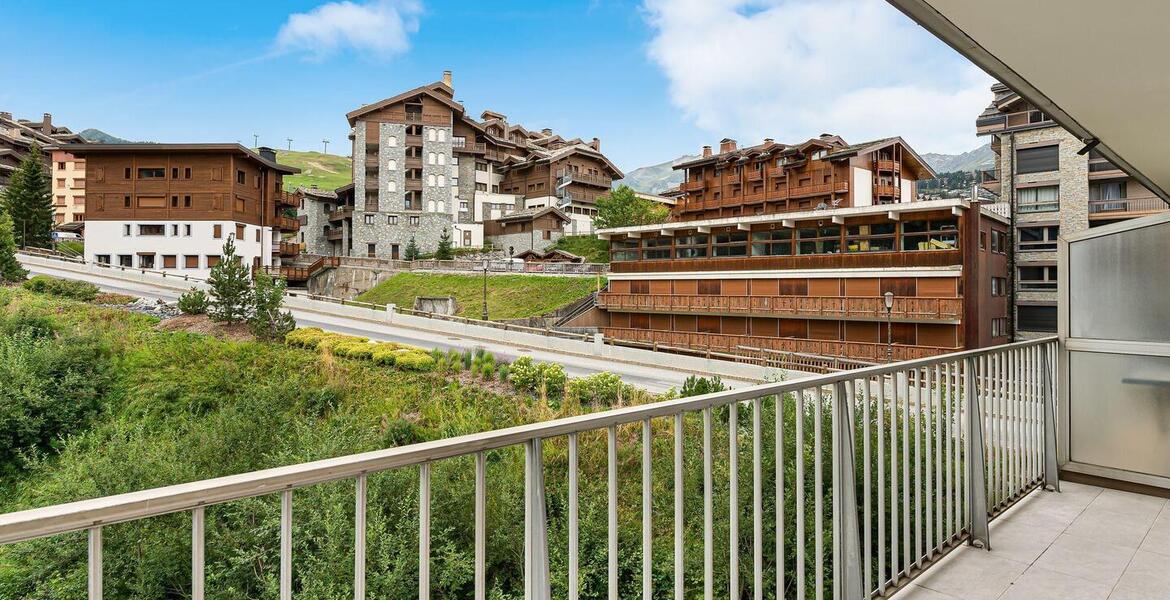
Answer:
(231, 288)
(444, 252)
(267, 321)
(28, 200)
(411, 252)
(10, 269)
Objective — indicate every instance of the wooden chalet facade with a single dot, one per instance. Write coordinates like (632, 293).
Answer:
(799, 258)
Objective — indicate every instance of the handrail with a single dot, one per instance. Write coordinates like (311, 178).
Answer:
(84, 514)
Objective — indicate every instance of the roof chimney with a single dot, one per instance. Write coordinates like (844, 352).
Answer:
(266, 153)
(596, 144)
(768, 141)
(706, 151)
(727, 145)
(447, 79)
(546, 131)
(825, 136)
(6, 116)
(47, 123)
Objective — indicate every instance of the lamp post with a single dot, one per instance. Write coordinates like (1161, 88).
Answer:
(485, 270)
(889, 300)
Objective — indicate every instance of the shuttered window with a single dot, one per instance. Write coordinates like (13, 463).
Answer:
(1038, 160)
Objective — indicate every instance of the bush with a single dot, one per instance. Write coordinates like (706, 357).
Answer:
(414, 360)
(384, 354)
(538, 378)
(306, 337)
(332, 340)
(354, 349)
(503, 372)
(64, 288)
(194, 302)
(598, 389)
(697, 386)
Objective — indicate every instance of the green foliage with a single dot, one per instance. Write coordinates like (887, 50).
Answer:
(267, 321)
(623, 208)
(71, 247)
(231, 289)
(544, 379)
(10, 268)
(509, 296)
(444, 251)
(599, 390)
(326, 171)
(592, 248)
(194, 302)
(411, 251)
(29, 201)
(504, 372)
(414, 360)
(697, 386)
(64, 288)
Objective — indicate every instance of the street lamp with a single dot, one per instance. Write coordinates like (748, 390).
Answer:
(889, 300)
(485, 270)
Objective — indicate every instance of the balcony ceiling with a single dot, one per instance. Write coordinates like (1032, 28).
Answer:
(1098, 68)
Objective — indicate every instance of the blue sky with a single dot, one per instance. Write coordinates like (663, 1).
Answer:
(654, 79)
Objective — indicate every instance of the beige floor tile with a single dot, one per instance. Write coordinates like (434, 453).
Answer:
(1147, 577)
(914, 592)
(1041, 584)
(1024, 539)
(1158, 537)
(1079, 557)
(1111, 527)
(972, 574)
(1146, 507)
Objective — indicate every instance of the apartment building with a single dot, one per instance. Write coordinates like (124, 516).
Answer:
(68, 176)
(792, 248)
(17, 137)
(423, 166)
(1052, 188)
(172, 206)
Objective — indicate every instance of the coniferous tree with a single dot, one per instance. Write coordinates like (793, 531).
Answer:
(267, 321)
(444, 251)
(411, 252)
(231, 288)
(10, 268)
(28, 200)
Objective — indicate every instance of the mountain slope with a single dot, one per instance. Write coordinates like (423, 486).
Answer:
(974, 160)
(654, 179)
(98, 136)
(326, 171)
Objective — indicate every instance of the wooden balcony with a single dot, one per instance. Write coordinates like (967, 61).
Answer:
(754, 175)
(887, 190)
(341, 213)
(586, 178)
(888, 165)
(287, 223)
(936, 310)
(333, 233)
(815, 189)
(694, 186)
(286, 199)
(302, 273)
(868, 351)
(413, 185)
(414, 140)
(845, 260)
(412, 162)
(777, 172)
(288, 248)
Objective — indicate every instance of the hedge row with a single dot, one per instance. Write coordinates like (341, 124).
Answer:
(390, 354)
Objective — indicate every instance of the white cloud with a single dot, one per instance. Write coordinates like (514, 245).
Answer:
(792, 69)
(380, 28)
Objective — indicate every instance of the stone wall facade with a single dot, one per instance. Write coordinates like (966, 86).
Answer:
(312, 233)
(514, 243)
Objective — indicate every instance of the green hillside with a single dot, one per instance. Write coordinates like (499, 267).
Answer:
(326, 171)
(509, 296)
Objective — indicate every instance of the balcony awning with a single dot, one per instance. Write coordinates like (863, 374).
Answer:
(1097, 68)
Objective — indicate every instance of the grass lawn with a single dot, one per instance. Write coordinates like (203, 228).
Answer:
(592, 248)
(509, 296)
(326, 171)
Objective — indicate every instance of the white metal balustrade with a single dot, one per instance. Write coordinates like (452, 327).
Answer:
(880, 471)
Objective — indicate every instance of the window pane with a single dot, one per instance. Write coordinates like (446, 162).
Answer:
(1037, 160)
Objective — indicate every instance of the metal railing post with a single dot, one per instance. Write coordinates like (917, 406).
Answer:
(95, 563)
(980, 535)
(1051, 471)
(848, 584)
(536, 575)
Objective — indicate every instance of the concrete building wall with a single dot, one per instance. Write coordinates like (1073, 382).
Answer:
(68, 184)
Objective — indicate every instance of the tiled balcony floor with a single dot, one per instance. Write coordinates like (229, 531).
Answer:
(1085, 543)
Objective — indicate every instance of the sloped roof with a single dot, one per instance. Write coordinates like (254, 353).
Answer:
(83, 149)
(529, 214)
(434, 90)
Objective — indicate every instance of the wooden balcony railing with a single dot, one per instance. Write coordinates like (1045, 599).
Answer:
(333, 233)
(303, 272)
(859, 307)
(694, 186)
(288, 223)
(341, 213)
(288, 248)
(754, 175)
(414, 140)
(887, 190)
(869, 351)
(777, 172)
(888, 165)
(285, 199)
(600, 180)
(412, 184)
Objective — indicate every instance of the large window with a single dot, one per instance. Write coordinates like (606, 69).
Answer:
(1038, 160)
(935, 234)
(655, 248)
(1037, 278)
(691, 246)
(1038, 199)
(819, 240)
(152, 173)
(1036, 239)
(730, 243)
(772, 243)
(623, 250)
(878, 237)
(1036, 318)
(151, 230)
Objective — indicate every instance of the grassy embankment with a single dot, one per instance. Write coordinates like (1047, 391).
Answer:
(592, 248)
(509, 296)
(326, 171)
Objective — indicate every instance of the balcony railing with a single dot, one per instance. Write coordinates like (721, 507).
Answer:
(333, 233)
(906, 309)
(341, 213)
(861, 479)
(887, 190)
(694, 186)
(288, 223)
(888, 165)
(600, 180)
(1109, 208)
(722, 342)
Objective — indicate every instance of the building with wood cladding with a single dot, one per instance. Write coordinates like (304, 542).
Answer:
(18, 136)
(422, 165)
(1051, 189)
(172, 206)
(792, 248)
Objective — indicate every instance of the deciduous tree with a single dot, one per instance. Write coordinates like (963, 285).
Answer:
(623, 208)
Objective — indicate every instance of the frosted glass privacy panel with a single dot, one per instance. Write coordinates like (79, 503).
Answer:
(1119, 285)
(1120, 415)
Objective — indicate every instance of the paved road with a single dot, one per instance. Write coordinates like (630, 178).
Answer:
(655, 379)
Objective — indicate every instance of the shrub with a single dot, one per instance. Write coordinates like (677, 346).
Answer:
(598, 389)
(529, 375)
(194, 302)
(502, 372)
(384, 354)
(306, 337)
(356, 350)
(697, 386)
(64, 288)
(414, 360)
(332, 340)
(467, 359)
